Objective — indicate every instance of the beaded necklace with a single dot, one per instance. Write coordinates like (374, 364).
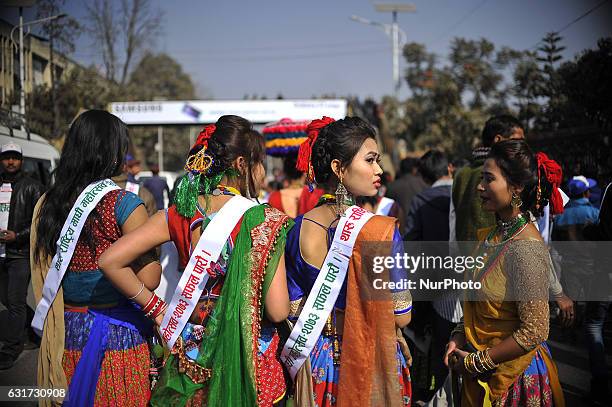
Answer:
(492, 251)
(225, 190)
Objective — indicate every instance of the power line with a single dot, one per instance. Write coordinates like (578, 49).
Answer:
(256, 58)
(225, 51)
(461, 21)
(574, 21)
(371, 50)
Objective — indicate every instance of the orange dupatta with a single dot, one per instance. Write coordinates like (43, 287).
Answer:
(368, 364)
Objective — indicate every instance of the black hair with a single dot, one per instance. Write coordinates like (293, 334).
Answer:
(289, 169)
(407, 164)
(234, 137)
(94, 149)
(340, 140)
(502, 125)
(520, 168)
(433, 165)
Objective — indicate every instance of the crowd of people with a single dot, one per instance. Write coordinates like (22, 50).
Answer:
(275, 303)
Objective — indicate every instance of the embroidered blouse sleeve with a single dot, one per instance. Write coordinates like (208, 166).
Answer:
(528, 268)
(402, 300)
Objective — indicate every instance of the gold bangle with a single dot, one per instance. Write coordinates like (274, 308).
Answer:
(489, 360)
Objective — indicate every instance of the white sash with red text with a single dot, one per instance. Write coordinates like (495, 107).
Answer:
(195, 276)
(66, 244)
(325, 290)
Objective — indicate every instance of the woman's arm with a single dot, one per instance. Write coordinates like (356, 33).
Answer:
(277, 299)
(115, 262)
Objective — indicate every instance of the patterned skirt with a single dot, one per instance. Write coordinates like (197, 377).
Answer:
(270, 377)
(532, 388)
(325, 373)
(124, 375)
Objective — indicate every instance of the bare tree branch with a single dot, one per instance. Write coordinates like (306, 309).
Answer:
(140, 24)
(104, 31)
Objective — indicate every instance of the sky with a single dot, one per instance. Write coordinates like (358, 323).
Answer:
(302, 49)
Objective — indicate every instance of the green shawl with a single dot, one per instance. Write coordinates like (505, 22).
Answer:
(230, 343)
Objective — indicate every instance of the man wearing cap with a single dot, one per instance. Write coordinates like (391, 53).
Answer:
(18, 195)
(579, 211)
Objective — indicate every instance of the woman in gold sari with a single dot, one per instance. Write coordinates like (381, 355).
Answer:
(500, 349)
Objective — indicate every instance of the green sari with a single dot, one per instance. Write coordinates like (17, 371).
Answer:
(230, 343)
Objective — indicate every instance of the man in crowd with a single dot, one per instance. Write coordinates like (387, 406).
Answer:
(470, 217)
(407, 185)
(157, 186)
(18, 196)
(597, 310)
(427, 221)
(127, 180)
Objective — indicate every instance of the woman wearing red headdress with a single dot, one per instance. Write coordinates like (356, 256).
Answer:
(343, 348)
(219, 327)
(500, 349)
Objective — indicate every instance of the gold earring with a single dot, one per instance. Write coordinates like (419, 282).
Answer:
(517, 202)
(343, 197)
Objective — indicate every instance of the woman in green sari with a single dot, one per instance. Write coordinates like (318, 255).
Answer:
(226, 354)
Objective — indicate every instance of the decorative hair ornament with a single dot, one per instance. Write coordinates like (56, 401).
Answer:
(304, 160)
(554, 174)
(196, 181)
(201, 162)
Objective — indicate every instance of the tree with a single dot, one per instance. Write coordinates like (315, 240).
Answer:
(160, 76)
(548, 55)
(472, 66)
(527, 88)
(125, 30)
(81, 88)
(587, 86)
(62, 36)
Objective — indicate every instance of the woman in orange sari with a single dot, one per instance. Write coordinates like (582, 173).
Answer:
(356, 359)
(500, 349)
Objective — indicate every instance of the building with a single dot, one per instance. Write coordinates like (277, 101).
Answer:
(37, 54)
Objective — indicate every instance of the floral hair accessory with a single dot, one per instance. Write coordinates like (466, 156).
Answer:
(554, 174)
(304, 160)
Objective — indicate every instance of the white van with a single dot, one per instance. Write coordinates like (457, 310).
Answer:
(39, 156)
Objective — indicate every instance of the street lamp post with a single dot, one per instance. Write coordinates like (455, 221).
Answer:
(393, 31)
(21, 57)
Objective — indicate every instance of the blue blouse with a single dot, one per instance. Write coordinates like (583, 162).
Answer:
(301, 275)
(90, 286)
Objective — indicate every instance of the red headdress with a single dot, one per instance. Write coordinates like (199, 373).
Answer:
(304, 160)
(200, 162)
(554, 174)
(205, 135)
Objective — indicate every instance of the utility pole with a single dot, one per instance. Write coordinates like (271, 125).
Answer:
(394, 8)
(21, 71)
(21, 56)
(394, 32)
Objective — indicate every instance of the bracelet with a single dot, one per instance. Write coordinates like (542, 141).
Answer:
(155, 306)
(479, 362)
(488, 361)
(162, 307)
(138, 293)
(150, 304)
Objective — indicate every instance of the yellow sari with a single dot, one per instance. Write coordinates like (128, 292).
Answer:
(513, 301)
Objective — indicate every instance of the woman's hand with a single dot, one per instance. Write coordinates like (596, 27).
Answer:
(160, 318)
